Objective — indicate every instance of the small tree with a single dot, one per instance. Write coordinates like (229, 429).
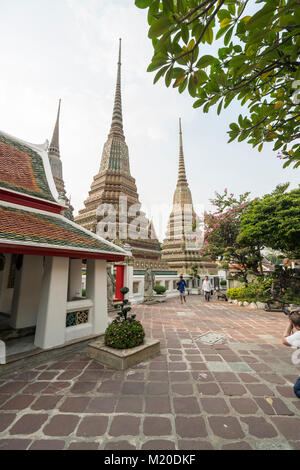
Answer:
(222, 228)
(273, 221)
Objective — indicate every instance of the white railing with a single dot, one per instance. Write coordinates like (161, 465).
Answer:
(82, 319)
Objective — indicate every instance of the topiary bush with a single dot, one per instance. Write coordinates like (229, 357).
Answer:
(125, 331)
(159, 289)
(223, 282)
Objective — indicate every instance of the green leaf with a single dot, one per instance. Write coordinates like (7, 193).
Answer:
(168, 77)
(219, 107)
(202, 76)
(168, 6)
(183, 85)
(160, 26)
(262, 17)
(198, 103)
(204, 61)
(209, 35)
(225, 22)
(160, 73)
(192, 86)
(222, 31)
(234, 127)
(185, 33)
(143, 3)
(178, 72)
(228, 36)
(179, 81)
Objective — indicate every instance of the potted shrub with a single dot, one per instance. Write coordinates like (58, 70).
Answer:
(124, 341)
(125, 331)
(160, 293)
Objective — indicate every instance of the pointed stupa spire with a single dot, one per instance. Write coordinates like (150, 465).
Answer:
(181, 167)
(54, 145)
(117, 119)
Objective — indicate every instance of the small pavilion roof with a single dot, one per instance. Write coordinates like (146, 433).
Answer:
(25, 227)
(24, 169)
(30, 212)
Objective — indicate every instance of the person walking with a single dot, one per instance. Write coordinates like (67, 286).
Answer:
(291, 338)
(207, 288)
(181, 286)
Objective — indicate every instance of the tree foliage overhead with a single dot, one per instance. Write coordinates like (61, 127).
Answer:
(273, 221)
(258, 64)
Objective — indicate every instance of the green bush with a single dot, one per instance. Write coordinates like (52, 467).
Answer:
(159, 289)
(124, 334)
(83, 293)
(223, 282)
(259, 290)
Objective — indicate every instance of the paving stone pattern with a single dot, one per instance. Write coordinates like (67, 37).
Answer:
(233, 394)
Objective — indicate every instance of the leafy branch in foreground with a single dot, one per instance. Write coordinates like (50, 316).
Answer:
(258, 65)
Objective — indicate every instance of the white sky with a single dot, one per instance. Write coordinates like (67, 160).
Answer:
(67, 49)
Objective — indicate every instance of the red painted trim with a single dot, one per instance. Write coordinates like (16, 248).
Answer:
(33, 250)
(28, 201)
(119, 282)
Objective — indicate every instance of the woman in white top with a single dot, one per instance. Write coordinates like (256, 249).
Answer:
(291, 337)
(207, 288)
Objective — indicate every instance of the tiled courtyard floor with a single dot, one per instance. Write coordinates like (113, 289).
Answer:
(233, 395)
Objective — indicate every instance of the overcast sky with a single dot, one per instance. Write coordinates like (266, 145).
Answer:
(67, 49)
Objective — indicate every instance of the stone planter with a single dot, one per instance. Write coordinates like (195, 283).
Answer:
(294, 307)
(122, 359)
(160, 297)
(195, 291)
(261, 305)
(253, 305)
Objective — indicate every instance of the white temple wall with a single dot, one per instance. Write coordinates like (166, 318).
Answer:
(96, 291)
(6, 293)
(26, 295)
(75, 279)
(51, 320)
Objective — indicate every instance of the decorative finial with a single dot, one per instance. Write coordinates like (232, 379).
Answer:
(181, 168)
(54, 145)
(117, 119)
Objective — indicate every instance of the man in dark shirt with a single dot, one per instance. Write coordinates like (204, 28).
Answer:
(181, 287)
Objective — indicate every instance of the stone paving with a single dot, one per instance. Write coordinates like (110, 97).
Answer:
(233, 394)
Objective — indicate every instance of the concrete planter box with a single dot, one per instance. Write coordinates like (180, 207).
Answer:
(160, 297)
(195, 291)
(122, 359)
(261, 305)
(253, 305)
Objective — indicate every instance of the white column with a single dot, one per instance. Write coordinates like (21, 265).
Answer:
(26, 297)
(96, 290)
(51, 321)
(6, 294)
(128, 280)
(75, 278)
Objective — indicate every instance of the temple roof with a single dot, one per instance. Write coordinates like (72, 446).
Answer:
(25, 169)
(20, 225)
(30, 212)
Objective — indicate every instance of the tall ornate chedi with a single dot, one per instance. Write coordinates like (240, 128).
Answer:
(179, 249)
(112, 185)
(56, 168)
